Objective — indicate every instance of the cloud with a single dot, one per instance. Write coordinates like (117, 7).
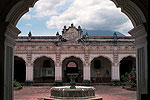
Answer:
(26, 16)
(92, 14)
(47, 7)
(29, 25)
(124, 27)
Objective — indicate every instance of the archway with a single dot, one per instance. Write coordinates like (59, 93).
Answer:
(100, 70)
(19, 69)
(44, 70)
(127, 64)
(137, 11)
(72, 65)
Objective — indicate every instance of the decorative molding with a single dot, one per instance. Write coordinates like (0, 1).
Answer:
(11, 34)
(19, 10)
(131, 10)
(139, 33)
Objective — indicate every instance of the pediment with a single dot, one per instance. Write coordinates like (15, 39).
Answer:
(72, 33)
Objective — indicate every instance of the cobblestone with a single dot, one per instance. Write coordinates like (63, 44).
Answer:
(106, 92)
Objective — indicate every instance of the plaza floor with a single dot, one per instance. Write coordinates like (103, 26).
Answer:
(106, 92)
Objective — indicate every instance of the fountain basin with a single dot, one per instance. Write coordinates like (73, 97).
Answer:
(79, 91)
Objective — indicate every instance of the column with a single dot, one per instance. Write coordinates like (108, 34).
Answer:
(141, 41)
(58, 70)
(86, 68)
(29, 69)
(58, 73)
(29, 72)
(8, 33)
(115, 72)
(86, 72)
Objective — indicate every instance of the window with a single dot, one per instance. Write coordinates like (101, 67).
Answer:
(72, 64)
(46, 63)
(97, 64)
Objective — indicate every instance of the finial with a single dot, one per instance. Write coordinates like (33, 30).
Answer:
(115, 34)
(64, 27)
(30, 34)
(57, 34)
(86, 33)
(79, 27)
(72, 25)
(115, 37)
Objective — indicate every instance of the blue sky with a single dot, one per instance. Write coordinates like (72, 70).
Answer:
(49, 16)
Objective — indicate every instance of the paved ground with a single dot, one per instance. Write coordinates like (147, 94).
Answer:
(106, 92)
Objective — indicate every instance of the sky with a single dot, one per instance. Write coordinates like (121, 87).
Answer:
(49, 16)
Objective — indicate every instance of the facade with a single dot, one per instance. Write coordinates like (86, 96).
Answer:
(99, 59)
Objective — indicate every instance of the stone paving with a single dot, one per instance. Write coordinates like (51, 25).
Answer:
(106, 92)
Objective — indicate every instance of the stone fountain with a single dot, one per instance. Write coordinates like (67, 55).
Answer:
(73, 91)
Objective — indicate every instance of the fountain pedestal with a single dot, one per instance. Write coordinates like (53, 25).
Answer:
(72, 77)
(72, 91)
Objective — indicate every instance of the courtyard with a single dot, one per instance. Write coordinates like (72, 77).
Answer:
(105, 91)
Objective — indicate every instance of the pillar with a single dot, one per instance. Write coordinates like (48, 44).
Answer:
(8, 34)
(58, 70)
(86, 72)
(141, 41)
(115, 72)
(29, 69)
(86, 66)
(29, 72)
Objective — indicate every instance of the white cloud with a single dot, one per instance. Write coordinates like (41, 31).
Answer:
(47, 7)
(89, 14)
(92, 14)
(26, 16)
(29, 25)
(124, 27)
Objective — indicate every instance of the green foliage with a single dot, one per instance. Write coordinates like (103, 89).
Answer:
(129, 78)
(87, 83)
(16, 84)
(125, 77)
(116, 83)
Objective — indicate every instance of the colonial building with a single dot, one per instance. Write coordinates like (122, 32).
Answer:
(99, 59)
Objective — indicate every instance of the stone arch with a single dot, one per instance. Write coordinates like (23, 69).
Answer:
(19, 69)
(133, 12)
(101, 69)
(44, 70)
(127, 55)
(68, 56)
(22, 57)
(78, 69)
(18, 10)
(43, 55)
(104, 56)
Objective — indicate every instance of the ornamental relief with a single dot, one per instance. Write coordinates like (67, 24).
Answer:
(74, 48)
(72, 34)
(126, 48)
